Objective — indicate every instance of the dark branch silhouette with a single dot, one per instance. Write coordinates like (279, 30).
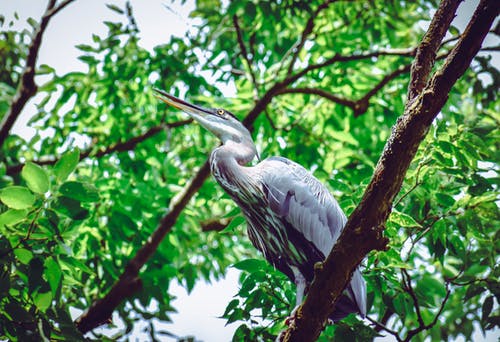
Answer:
(308, 29)
(122, 146)
(359, 106)
(246, 56)
(27, 87)
(364, 229)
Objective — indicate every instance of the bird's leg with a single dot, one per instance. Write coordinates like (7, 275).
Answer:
(301, 284)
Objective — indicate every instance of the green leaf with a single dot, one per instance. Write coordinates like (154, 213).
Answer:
(43, 300)
(35, 177)
(445, 200)
(249, 265)
(75, 264)
(82, 192)
(67, 164)
(473, 290)
(115, 8)
(12, 217)
(235, 222)
(403, 220)
(232, 304)
(23, 255)
(70, 208)
(344, 137)
(53, 274)
(17, 197)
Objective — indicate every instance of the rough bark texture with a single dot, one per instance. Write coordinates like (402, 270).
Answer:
(363, 231)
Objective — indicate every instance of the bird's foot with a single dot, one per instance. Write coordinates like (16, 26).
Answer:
(293, 315)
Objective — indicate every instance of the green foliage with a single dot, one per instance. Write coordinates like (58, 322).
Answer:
(68, 228)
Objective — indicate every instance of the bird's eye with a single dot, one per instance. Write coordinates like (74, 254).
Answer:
(220, 111)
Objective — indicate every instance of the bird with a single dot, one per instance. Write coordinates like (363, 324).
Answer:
(292, 218)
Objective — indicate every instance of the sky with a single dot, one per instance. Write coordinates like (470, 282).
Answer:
(157, 21)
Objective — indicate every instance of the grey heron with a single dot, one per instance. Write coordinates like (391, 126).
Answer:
(292, 217)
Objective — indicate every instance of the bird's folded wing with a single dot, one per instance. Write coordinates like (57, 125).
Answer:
(297, 196)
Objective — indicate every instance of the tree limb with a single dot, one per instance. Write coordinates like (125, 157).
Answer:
(100, 311)
(427, 50)
(244, 52)
(27, 87)
(359, 106)
(364, 228)
(121, 146)
(305, 33)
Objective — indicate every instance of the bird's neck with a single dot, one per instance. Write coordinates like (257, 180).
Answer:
(228, 163)
(240, 152)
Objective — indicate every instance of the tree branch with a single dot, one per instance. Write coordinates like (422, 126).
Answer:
(215, 224)
(422, 326)
(364, 228)
(427, 50)
(245, 54)
(27, 87)
(127, 145)
(305, 33)
(100, 311)
(381, 326)
(359, 106)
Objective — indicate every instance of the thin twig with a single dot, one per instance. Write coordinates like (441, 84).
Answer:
(385, 328)
(305, 34)
(246, 57)
(423, 327)
(121, 146)
(409, 289)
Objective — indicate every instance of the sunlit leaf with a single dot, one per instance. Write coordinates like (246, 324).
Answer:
(67, 164)
(36, 178)
(17, 197)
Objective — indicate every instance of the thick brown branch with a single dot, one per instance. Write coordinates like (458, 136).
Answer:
(122, 146)
(363, 231)
(101, 310)
(27, 87)
(427, 50)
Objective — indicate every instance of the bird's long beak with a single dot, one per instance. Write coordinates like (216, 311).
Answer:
(187, 107)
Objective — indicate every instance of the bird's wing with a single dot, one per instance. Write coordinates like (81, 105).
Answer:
(301, 199)
(297, 196)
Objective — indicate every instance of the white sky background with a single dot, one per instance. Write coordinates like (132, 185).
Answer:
(75, 25)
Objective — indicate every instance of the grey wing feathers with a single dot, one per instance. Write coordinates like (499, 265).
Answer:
(296, 195)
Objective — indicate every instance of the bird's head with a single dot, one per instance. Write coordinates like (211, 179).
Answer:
(219, 121)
